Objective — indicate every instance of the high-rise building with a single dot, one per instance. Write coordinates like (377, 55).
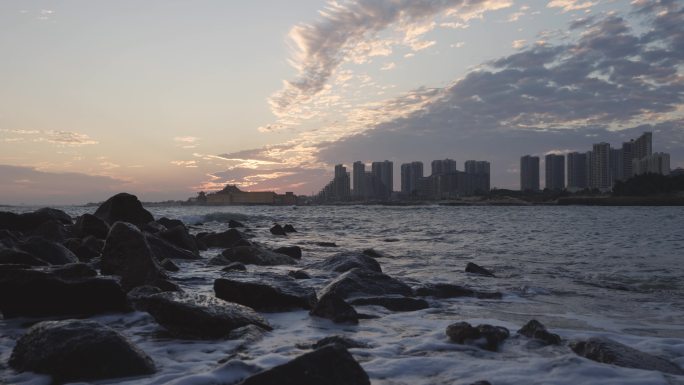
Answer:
(443, 166)
(410, 173)
(480, 168)
(589, 171)
(628, 155)
(529, 173)
(657, 163)
(358, 173)
(643, 145)
(555, 172)
(338, 189)
(383, 171)
(577, 171)
(600, 167)
(617, 166)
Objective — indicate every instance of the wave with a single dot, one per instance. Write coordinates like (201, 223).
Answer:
(221, 217)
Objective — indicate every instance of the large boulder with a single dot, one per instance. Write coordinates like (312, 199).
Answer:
(127, 254)
(393, 303)
(52, 230)
(264, 291)
(330, 365)
(365, 283)
(88, 224)
(78, 350)
(9, 221)
(484, 336)
(28, 222)
(257, 255)
(334, 308)
(163, 249)
(180, 237)
(58, 292)
(291, 251)
(232, 223)
(227, 238)
(18, 257)
(477, 269)
(85, 249)
(448, 290)
(534, 329)
(278, 230)
(607, 351)
(170, 223)
(51, 252)
(343, 341)
(200, 316)
(346, 261)
(123, 207)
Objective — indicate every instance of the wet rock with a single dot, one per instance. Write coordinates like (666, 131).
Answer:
(168, 265)
(278, 230)
(170, 223)
(234, 266)
(249, 333)
(289, 229)
(163, 249)
(29, 222)
(8, 238)
(73, 271)
(89, 248)
(52, 230)
(257, 255)
(299, 274)
(343, 341)
(180, 237)
(481, 383)
(78, 350)
(484, 336)
(51, 252)
(326, 244)
(232, 223)
(607, 351)
(127, 254)
(18, 257)
(334, 308)
(291, 251)
(199, 316)
(227, 238)
(534, 329)
(88, 224)
(219, 260)
(393, 303)
(138, 296)
(477, 269)
(447, 290)
(365, 283)
(9, 221)
(38, 293)
(375, 253)
(329, 365)
(264, 291)
(346, 261)
(123, 207)
(152, 227)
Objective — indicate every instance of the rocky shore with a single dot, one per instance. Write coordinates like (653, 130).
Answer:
(55, 270)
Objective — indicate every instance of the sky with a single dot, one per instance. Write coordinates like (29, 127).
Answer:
(164, 99)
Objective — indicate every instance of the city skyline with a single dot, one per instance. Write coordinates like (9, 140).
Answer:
(270, 96)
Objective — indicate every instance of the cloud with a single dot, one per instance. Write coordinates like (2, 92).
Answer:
(571, 5)
(67, 138)
(343, 31)
(517, 44)
(388, 66)
(185, 163)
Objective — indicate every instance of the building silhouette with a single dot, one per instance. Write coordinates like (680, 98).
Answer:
(529, 173)
(601, 177)
(358, 173)
(443, 166)
(410, 173)
(577, 171)
(657, 163)
(555, 172)
(383, 172)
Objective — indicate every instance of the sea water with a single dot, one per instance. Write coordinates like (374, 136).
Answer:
(615, 272)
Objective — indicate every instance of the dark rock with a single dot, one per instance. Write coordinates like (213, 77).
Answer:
(329, 365)
(127, 254)
(227, 238)
(291, 251)
(89, 248)
(8, 238)
(607, 351)
(289, 229)
(447, 290)
(334, 308)
(200, 245)
(299, 274)
(88, 224)
(73, 271)
(180, 237)
(235, 266)
(168, 265)
(393, 303)
(326, 244)
(257, 255)
(219, 260)
(78, 350)
(375, 253)
(48, 251)
(343, 341)
(248, 334)
(477, 269)
(278, 230)
(29, 222)
(170, 223)
(346, 261)
(232, 223)
(534, 329)
(52, 230)
(199, 316)
(481, 383)
(152, 227)
(484, 336)
(163, 249)
(10, 221)
(138, 296)
(264, 291)
(365, 283)
(18, 257)
(125, 208)
(36, 293)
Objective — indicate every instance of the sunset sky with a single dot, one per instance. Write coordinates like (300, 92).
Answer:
(166, 98)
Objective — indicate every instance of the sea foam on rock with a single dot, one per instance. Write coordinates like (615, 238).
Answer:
(484, 336)
(534, 329)
(200, 316)
(264, 291)
(78, 350)
(393, 303)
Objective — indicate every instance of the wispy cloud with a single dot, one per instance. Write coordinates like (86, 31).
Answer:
(67, 138)
(571, 5)
(517, 44)
(388, 66)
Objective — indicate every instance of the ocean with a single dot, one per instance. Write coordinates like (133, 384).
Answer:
(615, 272)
